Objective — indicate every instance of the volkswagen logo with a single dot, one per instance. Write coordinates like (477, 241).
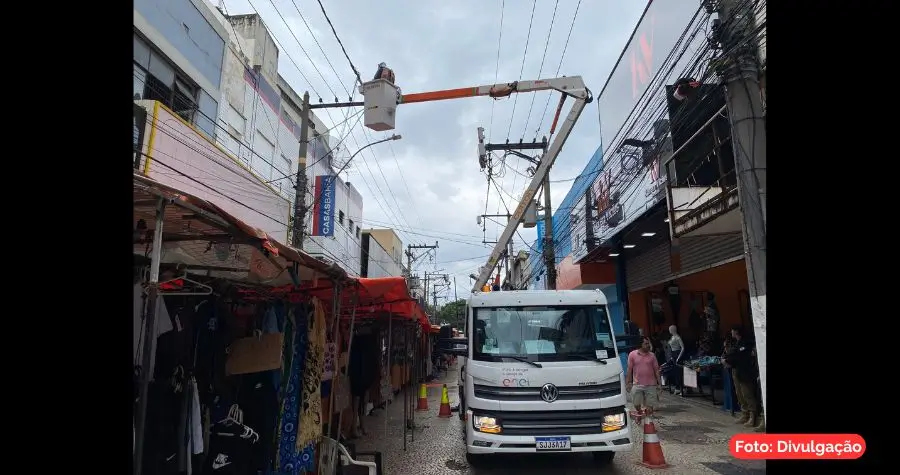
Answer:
(549, 392)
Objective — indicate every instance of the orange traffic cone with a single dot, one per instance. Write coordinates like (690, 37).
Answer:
(445, 403)
(423, 398)
(653, 454)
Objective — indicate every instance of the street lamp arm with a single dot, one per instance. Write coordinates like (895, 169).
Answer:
(316, 197)
(344, 167)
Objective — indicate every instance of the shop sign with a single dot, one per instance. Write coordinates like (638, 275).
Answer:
(323, 211)
(631, 181)
(657, 33)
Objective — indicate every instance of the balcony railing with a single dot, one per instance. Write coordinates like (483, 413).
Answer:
(702, 185)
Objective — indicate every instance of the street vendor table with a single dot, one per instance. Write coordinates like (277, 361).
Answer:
(695, 371)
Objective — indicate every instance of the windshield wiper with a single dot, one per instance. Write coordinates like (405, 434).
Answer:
(591, 358)
(524, 360)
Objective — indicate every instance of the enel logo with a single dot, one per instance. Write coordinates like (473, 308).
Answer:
(515, 382)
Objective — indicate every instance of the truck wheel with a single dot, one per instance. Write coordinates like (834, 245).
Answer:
(475, 460)
(603, 458)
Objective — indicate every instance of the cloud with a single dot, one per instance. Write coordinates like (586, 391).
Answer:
(428, 186)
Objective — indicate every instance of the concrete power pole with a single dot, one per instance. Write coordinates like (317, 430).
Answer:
(743, 95)
(300, 199)
(549, 254)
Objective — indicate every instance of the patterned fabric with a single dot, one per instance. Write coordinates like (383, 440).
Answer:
(288, 458)
(311, 410)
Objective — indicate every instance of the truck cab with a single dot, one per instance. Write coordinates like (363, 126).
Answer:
(541, 373)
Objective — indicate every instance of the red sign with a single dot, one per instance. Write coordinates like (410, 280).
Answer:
(642, 62)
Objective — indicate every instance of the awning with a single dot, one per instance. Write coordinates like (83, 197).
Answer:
(376, 298)
(207, 240)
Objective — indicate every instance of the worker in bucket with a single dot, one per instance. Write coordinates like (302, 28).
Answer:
(385, 73)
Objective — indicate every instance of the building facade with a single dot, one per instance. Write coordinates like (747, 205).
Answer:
(264, 112)
(653, 220)
(179, 57)
(378, 261)
(214, 118)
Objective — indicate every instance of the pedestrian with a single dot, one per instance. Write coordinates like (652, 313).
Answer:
(762, 410)
(676, 344)
(642, 375)
(743, 372)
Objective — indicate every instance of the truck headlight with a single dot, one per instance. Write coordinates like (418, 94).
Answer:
(613, 422)
(486, 424)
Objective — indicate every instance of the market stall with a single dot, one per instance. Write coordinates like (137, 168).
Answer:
(216, 350)
(705, 371)
(381, 315)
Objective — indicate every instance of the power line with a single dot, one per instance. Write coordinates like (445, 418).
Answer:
(559, 67)
(324, 54)
(338, 38)
(496, 72)
(540, 71)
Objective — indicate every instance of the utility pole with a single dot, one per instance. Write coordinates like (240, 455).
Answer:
(300, 182)
(411, 257)
(549, 254)
(739, 66)
(514, 149)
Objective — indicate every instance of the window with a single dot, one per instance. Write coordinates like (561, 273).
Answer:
(158, 80)
(357, 232)
(552, 333)
(341, 218)
(208, 110)
(350, 225)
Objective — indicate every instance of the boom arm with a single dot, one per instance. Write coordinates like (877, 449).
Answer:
(571, 86)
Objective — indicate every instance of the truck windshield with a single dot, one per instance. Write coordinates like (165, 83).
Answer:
(552, 333)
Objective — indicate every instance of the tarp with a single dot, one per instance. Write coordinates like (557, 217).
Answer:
(377, 298)
(201, 235)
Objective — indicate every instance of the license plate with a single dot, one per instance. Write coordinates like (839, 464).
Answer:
(553, 443)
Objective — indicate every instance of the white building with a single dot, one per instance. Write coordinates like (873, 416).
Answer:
(179, 57)
(262, 113)
(382, 253)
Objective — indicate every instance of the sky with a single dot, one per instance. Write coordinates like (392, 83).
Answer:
(428, 186)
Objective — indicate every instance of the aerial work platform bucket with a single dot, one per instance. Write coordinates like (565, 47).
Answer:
(380, 104)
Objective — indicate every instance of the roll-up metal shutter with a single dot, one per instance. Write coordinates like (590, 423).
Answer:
(649, 268)
(701, 252)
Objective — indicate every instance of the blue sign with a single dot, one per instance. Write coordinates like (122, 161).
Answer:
(323, 210)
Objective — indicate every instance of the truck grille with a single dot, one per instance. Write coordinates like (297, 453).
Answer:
(566, 393)
(549, 423)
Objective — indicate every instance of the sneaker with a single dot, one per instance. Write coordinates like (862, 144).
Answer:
(750, 423)
(743, 419)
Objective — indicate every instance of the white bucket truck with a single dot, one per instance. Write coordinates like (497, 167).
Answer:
(541, 373)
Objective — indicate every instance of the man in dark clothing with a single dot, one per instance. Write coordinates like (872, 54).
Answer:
(743, 371)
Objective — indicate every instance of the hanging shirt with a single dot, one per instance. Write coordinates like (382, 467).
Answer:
(163, 324)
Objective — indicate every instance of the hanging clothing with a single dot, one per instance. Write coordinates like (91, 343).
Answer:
(163, 325)
(288, 457)
(211, 341)
(259, 401)
(311, 412)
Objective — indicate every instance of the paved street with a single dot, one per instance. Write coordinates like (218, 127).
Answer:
(694, 439)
